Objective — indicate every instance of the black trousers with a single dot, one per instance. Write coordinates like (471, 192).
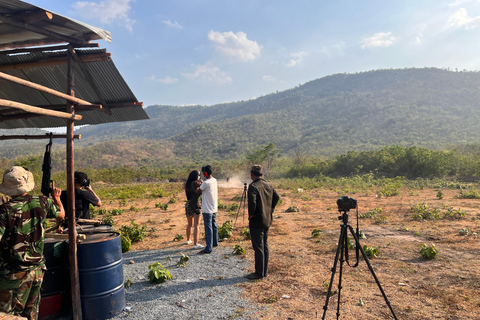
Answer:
(260, 246)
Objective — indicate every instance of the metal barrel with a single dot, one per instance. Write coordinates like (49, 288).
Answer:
(100, 270)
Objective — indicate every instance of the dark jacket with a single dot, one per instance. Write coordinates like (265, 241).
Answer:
(262, 199)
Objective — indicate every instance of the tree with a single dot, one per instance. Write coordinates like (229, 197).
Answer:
(266, 154)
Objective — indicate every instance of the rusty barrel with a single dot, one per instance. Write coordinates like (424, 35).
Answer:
(100, 271)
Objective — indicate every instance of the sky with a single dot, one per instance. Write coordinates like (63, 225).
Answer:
(188, 52)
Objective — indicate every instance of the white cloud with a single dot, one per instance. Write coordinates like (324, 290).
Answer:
(462, 19)
(166, 80)
(208, 73)
(235, 45)
(106, 11)
(334, 50)
(457, 3)
(171, 24)
(297, 57)
(268, 78)
(382, 39)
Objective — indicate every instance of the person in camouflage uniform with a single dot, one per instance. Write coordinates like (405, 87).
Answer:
(22, 232)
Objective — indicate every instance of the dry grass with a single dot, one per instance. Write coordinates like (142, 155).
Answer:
(300, 267)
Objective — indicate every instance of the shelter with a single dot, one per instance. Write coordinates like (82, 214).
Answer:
(52, 75)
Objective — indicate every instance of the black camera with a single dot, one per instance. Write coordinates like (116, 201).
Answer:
(345, 203)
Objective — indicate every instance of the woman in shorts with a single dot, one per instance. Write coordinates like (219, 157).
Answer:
(193, 207)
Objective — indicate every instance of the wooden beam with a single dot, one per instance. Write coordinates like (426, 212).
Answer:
(39, 87)
(57, 61)
(32, 16)
(89, 78)
(51, 48)
(45, 136)
(40, 111)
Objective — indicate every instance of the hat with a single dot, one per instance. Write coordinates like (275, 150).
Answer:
(257, 170)
(17, 181)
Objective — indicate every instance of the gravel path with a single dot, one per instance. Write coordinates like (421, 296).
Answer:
(206, 288)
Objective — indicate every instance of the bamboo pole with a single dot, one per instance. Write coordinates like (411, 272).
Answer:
(39, 87)
(37, 110)
(46, 136)
(74, 274)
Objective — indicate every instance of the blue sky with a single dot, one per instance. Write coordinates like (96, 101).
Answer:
(188, 52)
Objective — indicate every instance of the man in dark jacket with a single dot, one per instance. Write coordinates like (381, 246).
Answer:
(262, 199)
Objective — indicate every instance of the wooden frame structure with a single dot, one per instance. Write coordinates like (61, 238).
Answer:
(32, 80)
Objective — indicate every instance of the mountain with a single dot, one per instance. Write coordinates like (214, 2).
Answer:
(429, 107)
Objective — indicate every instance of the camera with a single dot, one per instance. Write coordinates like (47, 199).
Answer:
(345, 203)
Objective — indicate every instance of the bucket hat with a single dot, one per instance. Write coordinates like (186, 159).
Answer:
(17, 181)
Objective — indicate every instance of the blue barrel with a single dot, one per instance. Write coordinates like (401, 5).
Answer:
(100, 271)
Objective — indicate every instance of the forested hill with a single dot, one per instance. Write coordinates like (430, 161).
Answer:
(428, 107)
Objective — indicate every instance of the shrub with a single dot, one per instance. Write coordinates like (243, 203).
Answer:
(370, 251)
(440, 195)
(471, 194)
(161, 206)
(371, 213)
(158, 273)
(246, 233)
(117, 212)
(178, 237)
(126, 243)
(172, 200)
(292, 209)
(428, 252)
(183, 260)
(108, 220)
(225, 231)
(463, 231)
(134, 233)
(452, 214)
(316, 233)
(422, 212)
(238, 250)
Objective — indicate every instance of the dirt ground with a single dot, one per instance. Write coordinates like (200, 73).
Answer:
(446, 287)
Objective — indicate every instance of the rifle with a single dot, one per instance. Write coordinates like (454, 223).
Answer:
(47, 169)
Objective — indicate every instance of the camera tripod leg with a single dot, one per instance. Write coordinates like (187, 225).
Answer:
(244, 202)
(340, 247)
(357, 243)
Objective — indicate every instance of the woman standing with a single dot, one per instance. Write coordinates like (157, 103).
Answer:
(193, 207)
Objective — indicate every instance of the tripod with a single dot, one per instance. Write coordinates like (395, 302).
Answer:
(242, 200)
(343, 247)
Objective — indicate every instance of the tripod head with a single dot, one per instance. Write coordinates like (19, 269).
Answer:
(344, 217)
(245, 186)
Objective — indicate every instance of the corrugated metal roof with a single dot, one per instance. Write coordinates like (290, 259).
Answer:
(97, 80)
(24, 24)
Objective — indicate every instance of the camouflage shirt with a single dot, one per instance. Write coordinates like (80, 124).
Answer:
(22, 230)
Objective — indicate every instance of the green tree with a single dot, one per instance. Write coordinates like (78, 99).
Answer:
(266, 154)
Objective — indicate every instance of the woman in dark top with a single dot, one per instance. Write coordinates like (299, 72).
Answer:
(193, 207)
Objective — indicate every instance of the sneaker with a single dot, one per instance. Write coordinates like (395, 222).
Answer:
(198, 246)
(188, 242)
(253, 276)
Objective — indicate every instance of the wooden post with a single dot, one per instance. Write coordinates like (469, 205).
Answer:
(74, 275)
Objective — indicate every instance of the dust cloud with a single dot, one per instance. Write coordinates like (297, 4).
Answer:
(234, 182)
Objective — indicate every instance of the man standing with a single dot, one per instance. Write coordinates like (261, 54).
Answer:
(209, 191)
(84, 196)
(262, 199)
(22, 232)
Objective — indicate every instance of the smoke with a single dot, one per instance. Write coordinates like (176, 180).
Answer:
(232, 182)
